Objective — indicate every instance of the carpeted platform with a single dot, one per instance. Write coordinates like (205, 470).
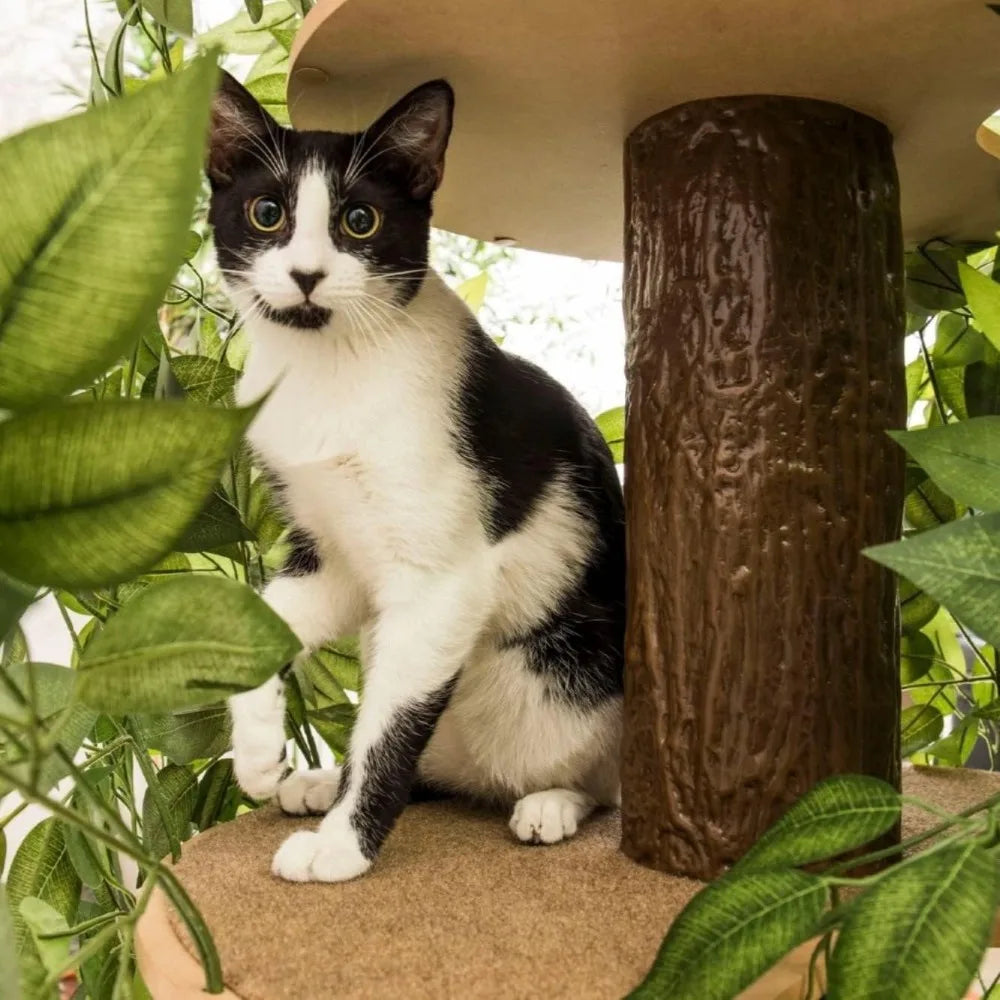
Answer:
(453, 909)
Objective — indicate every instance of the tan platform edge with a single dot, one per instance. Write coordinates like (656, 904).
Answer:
(548, 91)
(453, 909)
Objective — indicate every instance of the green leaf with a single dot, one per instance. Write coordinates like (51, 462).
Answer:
(213, 789)
(179, 789)
(81, 268)
(956, 748)
(962, 458)
(41, 867)
(835, 816)
(982, 389)
(983, 295)
(43, 922)
(239, 36)
(10, 988)
(70, 723)
(959, 565)
(217, 525)
(255, 10)
(928, 505)
(921, 725)
(932, 280)
(184, 643)
(173, 14)
(284, 37)
(731, 932)
(472, 291)
(271, 91)
(14, 600)
(956, 343)
(920, 931)
(94, 493)
(611, 424)
(187, 736)
(916, 372)
(85, 856)
(917, 608)
(203, 379)
(916, 656)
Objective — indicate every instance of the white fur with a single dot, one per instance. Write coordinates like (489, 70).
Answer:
(357, 426)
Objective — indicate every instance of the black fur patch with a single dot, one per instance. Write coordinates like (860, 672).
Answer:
(303, 558)
(389, 769)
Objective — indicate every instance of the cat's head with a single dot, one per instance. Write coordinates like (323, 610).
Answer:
(312, 227)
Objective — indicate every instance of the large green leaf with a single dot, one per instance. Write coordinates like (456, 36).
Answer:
(43, 921)
(94, 493)
(920, 931)
(187, 736)
(271, 92)
(916, 656)
(732, 932)
(956, 343)
(962, 458)
(959, 565)
(179, 790)
(10, 986)
(837, 815)
(96, 211)
(983, 295)
(41, 867)
(184, 643)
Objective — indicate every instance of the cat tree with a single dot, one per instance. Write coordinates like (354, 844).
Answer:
(763, 240)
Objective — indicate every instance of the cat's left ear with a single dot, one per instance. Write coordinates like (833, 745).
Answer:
(239, 128)
(414, 132)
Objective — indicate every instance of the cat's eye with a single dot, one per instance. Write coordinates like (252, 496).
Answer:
(360, 221)
(266, 214)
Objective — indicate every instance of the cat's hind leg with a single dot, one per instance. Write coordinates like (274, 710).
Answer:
(550, 816)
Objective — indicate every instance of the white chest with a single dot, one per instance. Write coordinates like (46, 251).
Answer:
(365, 449)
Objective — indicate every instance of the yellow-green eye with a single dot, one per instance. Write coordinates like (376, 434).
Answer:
(360, 221)
(266, 214)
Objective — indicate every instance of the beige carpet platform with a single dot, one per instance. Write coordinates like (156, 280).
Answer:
(453, 909)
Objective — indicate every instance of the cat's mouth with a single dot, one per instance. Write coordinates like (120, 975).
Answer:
(306, 316)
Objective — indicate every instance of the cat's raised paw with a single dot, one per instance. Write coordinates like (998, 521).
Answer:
(550, 816)
(308, 856)
(259, 782)
(305, 793)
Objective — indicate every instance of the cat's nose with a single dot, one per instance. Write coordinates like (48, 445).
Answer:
(307, 280)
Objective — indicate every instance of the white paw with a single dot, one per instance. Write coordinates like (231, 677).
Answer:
(309, 856)
(259, 781)
(305, 792)
(550, 816)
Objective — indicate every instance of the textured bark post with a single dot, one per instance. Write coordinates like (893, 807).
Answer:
(763, 283)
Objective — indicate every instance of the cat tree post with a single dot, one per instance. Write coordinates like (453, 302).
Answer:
(763, 294)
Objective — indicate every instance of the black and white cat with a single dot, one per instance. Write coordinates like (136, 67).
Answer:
(452, 504)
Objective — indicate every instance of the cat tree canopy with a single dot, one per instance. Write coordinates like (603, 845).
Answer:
(548, 91)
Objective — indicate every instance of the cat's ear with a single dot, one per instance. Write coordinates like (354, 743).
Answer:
(414, 133)
(239, 125)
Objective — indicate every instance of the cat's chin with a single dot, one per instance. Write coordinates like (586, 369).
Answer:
(302, 317)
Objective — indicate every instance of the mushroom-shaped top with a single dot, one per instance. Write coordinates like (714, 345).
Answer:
(548, 89)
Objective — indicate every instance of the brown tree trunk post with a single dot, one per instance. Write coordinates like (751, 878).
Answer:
(763, 285)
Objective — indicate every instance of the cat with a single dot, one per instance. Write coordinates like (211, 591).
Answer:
(451, 503)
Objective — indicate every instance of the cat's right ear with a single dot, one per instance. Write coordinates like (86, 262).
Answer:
(239, 125)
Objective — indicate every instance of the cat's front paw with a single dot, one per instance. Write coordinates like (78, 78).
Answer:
(259, 780)
(312, 856)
